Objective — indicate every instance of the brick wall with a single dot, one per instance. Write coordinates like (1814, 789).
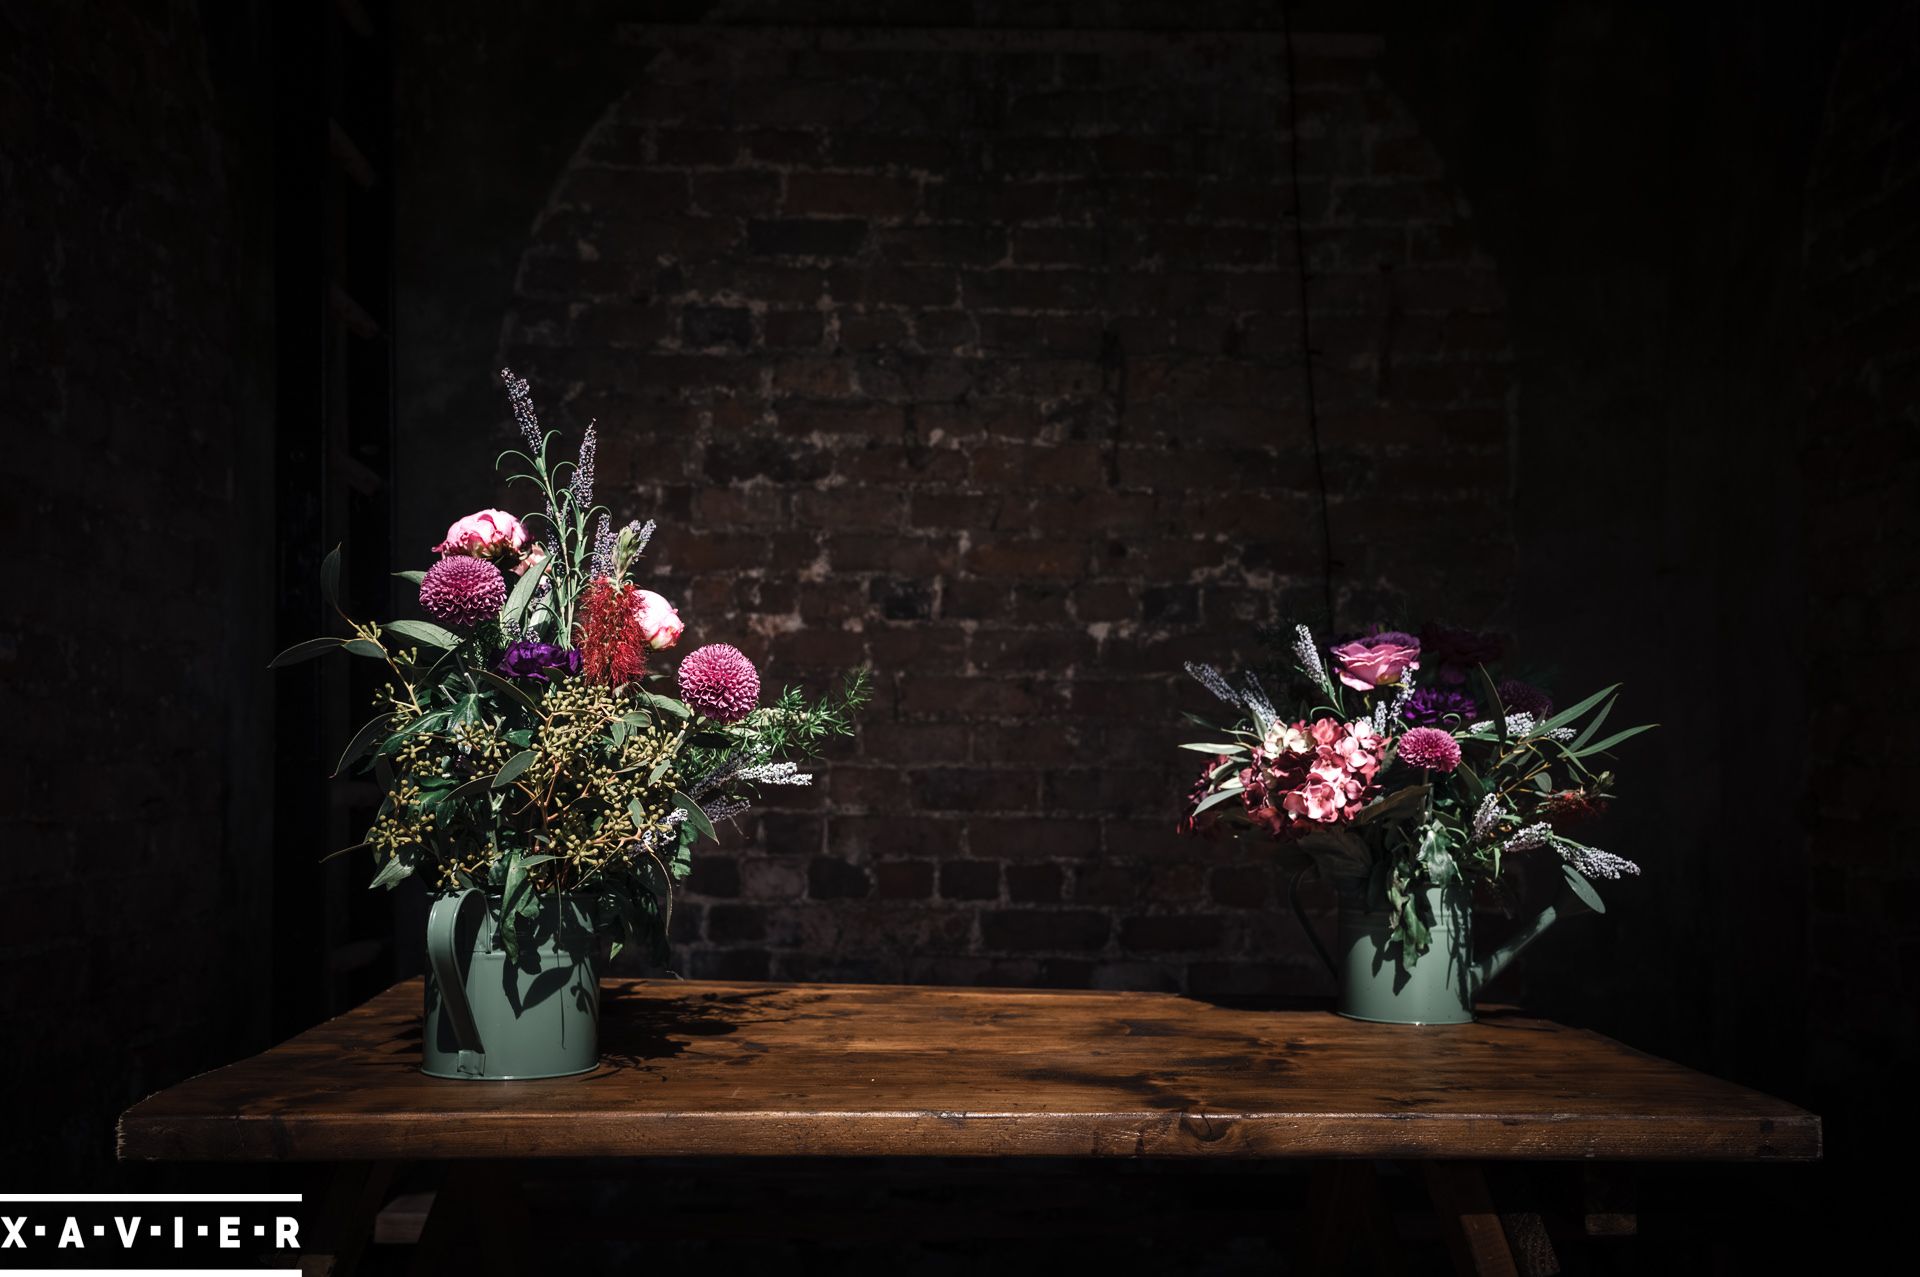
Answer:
(979, 360)
(132, 810)
(1863, 532)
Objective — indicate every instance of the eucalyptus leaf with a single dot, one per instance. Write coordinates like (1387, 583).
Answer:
(304, 650)
(661, 885)
(1572, 712)
(1205, 748)
(1338, 855)
(1578, 884)
(696, 818)
(1401, 802)
(1216, 798)
(392, 873)
(659, 770)
(1587, 733)
(413, 576)
(512, 691)
(367, 648)
(1600, 747)
(424, 632)
(513, 615)
(511, 770)
(363, 740)
(330, 578)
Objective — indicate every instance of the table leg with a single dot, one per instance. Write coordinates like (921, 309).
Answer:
(1468, 1221)
(477, 1225)
(1344, 1203)
(337, 1238)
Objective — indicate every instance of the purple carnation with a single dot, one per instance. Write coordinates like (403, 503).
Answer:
(537, 662)
(1430, 749)
(1433, 706)
(463, 591)
(719, 682)
(1525, 698)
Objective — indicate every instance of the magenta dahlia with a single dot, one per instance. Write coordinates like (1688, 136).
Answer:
(463, 591)
(720, 682)
(1430, 749)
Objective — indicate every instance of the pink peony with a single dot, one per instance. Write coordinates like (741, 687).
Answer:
(486, 535)
(530, 561)
(1430, 749)
(719, 682)
(463, 592)
(659, 624)
(1367, 663)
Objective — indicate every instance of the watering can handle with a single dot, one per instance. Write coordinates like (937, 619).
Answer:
(443, 929)
(1313, 938)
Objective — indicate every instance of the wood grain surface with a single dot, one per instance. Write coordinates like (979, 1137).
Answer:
(693, 1068)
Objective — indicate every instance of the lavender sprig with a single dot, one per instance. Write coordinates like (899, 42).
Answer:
(521, 397)
(582, 485)
(602, 561)
(1591, 862)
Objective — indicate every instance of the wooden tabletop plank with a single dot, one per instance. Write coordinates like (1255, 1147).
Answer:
(693, 1068)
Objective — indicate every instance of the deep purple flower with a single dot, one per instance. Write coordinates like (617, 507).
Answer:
(1433, 706)
(1525, 698)
(1453, 653)
(536, 661)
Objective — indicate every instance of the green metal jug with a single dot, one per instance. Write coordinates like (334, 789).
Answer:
(491, 1018)
(1374, 981)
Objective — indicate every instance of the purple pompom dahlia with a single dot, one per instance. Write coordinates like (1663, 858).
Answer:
(463, 591)
(718, 681)
(1430, 749)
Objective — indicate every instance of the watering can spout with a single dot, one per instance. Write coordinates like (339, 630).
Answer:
(1568, 903)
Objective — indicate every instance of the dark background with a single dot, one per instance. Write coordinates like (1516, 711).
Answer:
(984, 343)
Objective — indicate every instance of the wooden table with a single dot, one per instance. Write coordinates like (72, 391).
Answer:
(699, 1068)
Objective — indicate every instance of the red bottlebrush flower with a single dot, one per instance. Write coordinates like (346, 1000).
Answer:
(1570, 807)
(607, 634)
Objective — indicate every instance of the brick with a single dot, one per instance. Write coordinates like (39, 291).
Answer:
(1171, 932)
(973, 789)
(802, 237)
(702, 326)
(830, 879)
(1044, 929)
(903, 879)
(970, 880)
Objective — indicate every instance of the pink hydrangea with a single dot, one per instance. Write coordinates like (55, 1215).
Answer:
(719, 682)
(1430, 749)
(1371, 662)
(1310, 774)
(488, 534)
(462, 592)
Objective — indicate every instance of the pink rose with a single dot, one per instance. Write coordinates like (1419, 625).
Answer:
(659, 624)
(486, 535)
(1367, 663)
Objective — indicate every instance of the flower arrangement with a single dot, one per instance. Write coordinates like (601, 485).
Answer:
(1396, 762)
(519, 744)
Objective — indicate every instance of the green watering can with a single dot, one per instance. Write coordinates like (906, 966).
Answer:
(488, 1017)
(1375, 983)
